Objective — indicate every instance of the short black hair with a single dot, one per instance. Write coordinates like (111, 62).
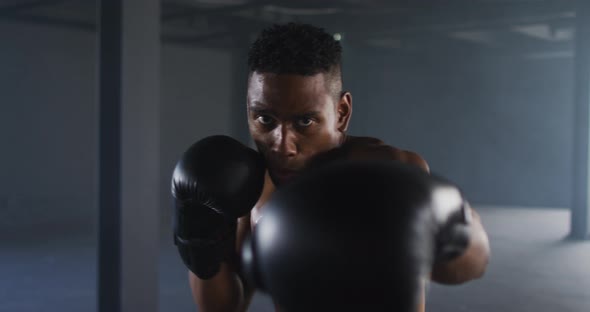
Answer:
(295, 48)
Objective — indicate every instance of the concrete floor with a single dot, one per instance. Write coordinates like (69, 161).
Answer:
(532, 269)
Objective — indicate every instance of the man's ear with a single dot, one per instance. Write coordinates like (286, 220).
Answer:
(344, 111)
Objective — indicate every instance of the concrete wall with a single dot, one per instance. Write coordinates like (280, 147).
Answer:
(501, 127)
(48, 128)
(49, 123)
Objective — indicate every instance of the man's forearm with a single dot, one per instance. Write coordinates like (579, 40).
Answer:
(223, 292)
(471, 264)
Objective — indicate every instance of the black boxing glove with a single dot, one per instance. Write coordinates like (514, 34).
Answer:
(349, 236)
(368, 232)
(216, 181)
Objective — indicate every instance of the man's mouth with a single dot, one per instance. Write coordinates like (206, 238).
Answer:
(283, 175)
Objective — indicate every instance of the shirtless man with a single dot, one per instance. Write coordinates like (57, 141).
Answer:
(297, 112)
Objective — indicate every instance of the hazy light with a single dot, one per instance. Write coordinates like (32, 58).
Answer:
(337, 36)
(446, 200)
(267, 228)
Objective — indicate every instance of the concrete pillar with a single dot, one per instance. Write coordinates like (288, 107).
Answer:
(580, 210)
(129, 83)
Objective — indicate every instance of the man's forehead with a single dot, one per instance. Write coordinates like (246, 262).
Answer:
(271, 86)
(273, 81)
(297, 107)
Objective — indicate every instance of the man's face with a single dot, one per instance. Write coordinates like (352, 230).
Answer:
(294, 117)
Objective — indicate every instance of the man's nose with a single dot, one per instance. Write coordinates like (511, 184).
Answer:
(284, 142)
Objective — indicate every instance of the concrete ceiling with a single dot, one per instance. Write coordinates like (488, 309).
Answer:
(520, 27)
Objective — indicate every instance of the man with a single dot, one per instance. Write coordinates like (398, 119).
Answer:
(298, 114)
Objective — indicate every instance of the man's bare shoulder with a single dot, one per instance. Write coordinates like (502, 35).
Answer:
(374, 148)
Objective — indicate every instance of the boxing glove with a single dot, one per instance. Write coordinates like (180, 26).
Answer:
(216, 181)
(354, 236)
(451, 220)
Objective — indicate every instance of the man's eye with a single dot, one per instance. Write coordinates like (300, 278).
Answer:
(304, 122)
(265, 120)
